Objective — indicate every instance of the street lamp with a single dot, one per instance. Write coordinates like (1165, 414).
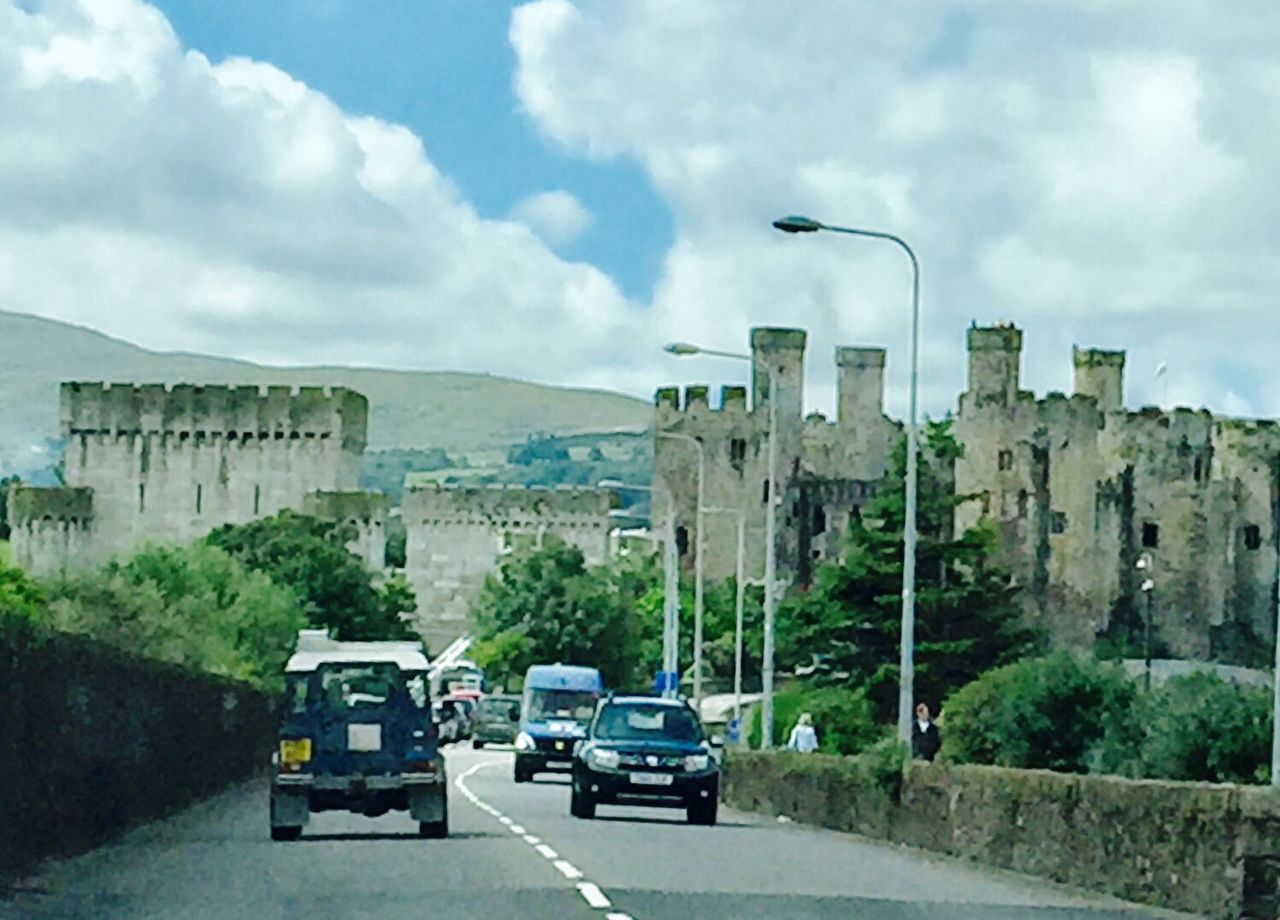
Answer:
(684, 349)
(798, 224)
(697, 563)
(1146, 566)
(671, 587)
(740, 586)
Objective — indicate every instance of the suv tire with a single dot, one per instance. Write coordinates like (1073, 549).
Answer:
(522, 774)
(477, 743)
(435, 830)
(581, 804)
(285, 833)
(703, 812)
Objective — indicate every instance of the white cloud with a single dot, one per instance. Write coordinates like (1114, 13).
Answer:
(556, 216)
(1100, 173)
(229, 208)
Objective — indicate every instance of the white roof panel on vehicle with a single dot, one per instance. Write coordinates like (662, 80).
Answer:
(316, 648)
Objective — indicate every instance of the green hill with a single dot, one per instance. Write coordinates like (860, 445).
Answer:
(459, 412)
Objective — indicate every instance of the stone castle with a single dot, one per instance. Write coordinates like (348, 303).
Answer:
(1079, 487)
(172, 463)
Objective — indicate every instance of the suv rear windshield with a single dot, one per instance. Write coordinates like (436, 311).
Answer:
(638, 722)
(500, 709)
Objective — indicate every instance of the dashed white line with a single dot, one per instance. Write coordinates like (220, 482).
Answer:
(547, 851)
(504, 819)
(617, 917)
(517, 829)
(568, 869)
(593, 895)
(532, 840)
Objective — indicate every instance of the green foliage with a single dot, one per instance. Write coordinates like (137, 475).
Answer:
(886, 762)
(967, 616)
(537, 446)
(21, 596)
(1059, 712)
(397, 542)
(193, 606)
(547, 605)
(309, 556)
(1200, 727)
(844, 719)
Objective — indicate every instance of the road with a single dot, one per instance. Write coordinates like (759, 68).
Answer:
(515, 852)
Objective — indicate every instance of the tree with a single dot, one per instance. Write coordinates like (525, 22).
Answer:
(547, 605)
(1200, 727)
(194, 606)
(309, 556)
(21, 596)
(967, 617)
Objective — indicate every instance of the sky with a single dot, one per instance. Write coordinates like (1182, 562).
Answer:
(552, 190)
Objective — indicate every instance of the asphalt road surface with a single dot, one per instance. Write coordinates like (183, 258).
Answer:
(514, 851)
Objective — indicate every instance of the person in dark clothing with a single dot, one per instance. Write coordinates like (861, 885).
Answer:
(925, 737)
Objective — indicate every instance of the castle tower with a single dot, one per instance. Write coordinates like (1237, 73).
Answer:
(995, 355)
(173, 463)
(861, 386)
(783, 350)
(1099, 374)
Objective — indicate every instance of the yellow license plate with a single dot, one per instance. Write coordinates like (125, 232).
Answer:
(295, 751)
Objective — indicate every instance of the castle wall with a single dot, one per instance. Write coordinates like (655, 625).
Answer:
(455, 538)
(365, 512)
(50, 529)
(173, 463)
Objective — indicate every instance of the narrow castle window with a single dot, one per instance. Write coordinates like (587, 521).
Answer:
(1253, 537)
(257, 499)
(142, 498)
(682, 540)
(1197, 471)
(199, 498)
(738, 453)
(1057, 522)
(1150, 535)
(764, 493)
(1005, 460)
(819, 520)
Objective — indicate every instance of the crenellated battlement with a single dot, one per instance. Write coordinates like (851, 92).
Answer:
(363, 507)
(487, 504)
(184, 411)
(696, 399)
(31, 506)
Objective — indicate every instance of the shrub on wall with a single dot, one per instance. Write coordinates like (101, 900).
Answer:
(1200, 727)
(1058, 712)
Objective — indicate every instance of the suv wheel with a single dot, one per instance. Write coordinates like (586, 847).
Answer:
(703, 812)
(581, 804)
(477, 743)
(285, 833)
(522, 774)
(435, 830)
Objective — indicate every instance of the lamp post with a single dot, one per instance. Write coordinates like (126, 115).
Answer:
(684, 349)
(671, 586)
(740, 586)
(1275, 691)
(697, 563)
(906, 676)
(1146, 566)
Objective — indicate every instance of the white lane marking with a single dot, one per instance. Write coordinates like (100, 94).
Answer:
(593, 895)
(568, 869)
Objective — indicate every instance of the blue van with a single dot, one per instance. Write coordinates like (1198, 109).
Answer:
(558, 702)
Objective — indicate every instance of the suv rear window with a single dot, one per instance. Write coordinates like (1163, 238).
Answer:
(646, 723)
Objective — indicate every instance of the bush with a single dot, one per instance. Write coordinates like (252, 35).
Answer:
(1058, 712)
(844, 719)
(20, 595)
(1200, 727)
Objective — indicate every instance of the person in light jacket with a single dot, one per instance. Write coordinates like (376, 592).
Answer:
(803, 737)
(925, 737)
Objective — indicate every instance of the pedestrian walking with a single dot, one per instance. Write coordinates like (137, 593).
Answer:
(804, 738)
(925, 737)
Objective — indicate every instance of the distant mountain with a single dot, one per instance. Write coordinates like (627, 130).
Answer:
(407, 409)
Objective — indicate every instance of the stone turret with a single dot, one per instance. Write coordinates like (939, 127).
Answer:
(783, 350)
(995, 356)
(861, 385)
(1100, 374)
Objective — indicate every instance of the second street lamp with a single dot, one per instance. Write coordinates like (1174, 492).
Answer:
(684, 349)
(797, 224)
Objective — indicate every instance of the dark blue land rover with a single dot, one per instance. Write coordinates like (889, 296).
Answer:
(643, 750)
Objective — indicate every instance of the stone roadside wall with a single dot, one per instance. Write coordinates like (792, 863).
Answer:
(1208, 849)
(93, 740)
